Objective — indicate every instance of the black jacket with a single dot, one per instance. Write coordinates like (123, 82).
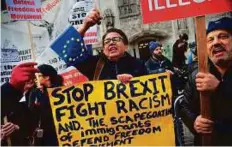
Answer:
(221, 107)
(157, 66)
(39, 105)
(17, 113)
(178, 59)
(125, 65)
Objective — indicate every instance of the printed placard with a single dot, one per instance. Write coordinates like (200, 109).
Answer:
(24, 9)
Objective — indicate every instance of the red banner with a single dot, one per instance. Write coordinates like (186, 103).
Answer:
(163, 10)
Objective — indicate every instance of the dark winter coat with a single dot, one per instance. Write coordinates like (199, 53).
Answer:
(125, 65)
(39, 105)
(178, 59)
(157, 66)
(221, 105)
(17, 113)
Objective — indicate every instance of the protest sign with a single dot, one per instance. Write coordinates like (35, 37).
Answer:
(9, 59)
(163, 10)
(78, 13)
(24, 9)
(49, 6)
(110, 113)
(72, 76)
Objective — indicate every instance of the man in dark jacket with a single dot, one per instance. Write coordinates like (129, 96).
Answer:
(16, 112)
(217, 83)
(157, 62)
(114, 63)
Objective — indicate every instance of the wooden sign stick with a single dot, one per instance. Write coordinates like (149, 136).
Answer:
(202, 66)
(31, 41)
(32, 50)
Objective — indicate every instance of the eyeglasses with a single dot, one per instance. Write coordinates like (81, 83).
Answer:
(114, 39)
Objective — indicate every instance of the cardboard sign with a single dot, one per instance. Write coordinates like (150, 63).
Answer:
(110, 113)
(9, 59)
(24, 9)
(78, 13)
(163, 10)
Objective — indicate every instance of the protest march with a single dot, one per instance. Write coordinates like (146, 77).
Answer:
(116, 73)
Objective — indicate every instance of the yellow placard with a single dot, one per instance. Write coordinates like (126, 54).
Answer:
(110, 113)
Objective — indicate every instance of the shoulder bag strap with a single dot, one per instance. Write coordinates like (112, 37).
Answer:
(98, 69)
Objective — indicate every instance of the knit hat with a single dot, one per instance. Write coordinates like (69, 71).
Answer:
(224, 23)
(153, 45)
(47, 70)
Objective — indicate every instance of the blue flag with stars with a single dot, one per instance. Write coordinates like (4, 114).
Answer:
(70, 47)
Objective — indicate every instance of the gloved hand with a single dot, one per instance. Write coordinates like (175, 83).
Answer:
(21, 74)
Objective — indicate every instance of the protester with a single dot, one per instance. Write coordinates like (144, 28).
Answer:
(216, 84)
(158, 63)
(115, 61)
(192, 56)
(16, 126)
(179, 49)
(47, 77)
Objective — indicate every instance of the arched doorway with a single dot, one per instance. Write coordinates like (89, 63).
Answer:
(144, 51)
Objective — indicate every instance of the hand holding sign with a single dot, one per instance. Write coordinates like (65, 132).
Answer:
(203, 125)
(124, 78)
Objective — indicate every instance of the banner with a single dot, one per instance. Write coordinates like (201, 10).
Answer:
(24, 9)
(110, 113)
(163, 10)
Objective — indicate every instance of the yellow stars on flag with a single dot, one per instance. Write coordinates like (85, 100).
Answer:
(68, 44)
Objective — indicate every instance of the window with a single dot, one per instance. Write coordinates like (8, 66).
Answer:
(128, 8)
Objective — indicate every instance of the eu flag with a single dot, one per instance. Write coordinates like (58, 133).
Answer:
(70, 47)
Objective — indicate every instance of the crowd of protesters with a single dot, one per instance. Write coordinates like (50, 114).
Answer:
(26, 112)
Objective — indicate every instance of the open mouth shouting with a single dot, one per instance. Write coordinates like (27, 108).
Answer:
(218, 51)
(113, 49)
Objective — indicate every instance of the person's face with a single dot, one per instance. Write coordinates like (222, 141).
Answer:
(219, 47)
(157, 52)
(43, 80)
(29, 84)
(114, 48)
